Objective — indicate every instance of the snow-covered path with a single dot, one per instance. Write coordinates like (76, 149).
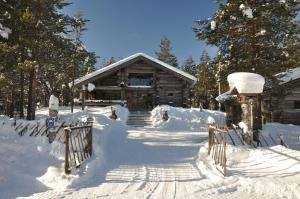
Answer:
(144, 163)
(161, 164)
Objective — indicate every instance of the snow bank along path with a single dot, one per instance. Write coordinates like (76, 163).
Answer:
(163, 162)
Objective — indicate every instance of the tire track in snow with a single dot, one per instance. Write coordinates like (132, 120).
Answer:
(145, 180)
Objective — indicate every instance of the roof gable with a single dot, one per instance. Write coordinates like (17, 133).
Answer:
(118, 65)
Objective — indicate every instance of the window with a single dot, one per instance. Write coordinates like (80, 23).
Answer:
(297, 104)
(136, 79)
(170, 94)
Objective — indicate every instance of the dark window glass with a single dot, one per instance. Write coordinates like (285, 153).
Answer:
(135, 79)
(297, 104)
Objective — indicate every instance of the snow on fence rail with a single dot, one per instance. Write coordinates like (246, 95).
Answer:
(76, 136)
(217, 146)
(78, 146)
(39, 128)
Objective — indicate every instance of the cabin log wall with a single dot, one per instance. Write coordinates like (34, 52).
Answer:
(166, 88)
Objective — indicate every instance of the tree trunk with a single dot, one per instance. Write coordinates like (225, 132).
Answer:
(22, 94)
(31, 96)
(11, 106)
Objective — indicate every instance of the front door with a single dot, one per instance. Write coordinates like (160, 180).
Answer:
(139, 100)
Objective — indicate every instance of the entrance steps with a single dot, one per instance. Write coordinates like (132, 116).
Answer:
(139, 119)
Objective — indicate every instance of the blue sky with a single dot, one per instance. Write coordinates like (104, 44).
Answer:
(121, 28)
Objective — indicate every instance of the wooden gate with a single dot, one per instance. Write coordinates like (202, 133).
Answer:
(78, 146)
(217, 146)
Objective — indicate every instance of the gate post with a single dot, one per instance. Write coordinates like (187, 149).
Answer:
(67, 164)
(210, 138)
(90, 140)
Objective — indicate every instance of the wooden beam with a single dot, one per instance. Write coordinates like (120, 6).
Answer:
(107, 88)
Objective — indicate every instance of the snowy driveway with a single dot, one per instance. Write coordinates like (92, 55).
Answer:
(144, 163)
(150, 163)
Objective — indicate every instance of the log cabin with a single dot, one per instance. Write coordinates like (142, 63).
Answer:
(139, 81)
(284, 109)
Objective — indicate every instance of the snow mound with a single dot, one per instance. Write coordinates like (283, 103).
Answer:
(53, 103)
(191, 119)
(254, 173)
(30, 165)
(246, 83)
(210, 120)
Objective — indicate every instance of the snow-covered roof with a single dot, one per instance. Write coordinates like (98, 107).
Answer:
(290, 75)
(115, 65)
(225, 96)
(246, 83)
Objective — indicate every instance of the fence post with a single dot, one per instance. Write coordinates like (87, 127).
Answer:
(90, 140)
(67, 165)
(210, 138)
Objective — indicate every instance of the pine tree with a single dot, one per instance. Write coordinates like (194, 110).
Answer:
(253, 35)
(34, 55)
(189, 66)
(109, 62)
(165, 54)
(206, 86)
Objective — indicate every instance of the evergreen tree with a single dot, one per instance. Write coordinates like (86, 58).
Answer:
(109, 62)
(35, 52)
(189, 66)
(206, 86)
(165, 54)
(253, 35)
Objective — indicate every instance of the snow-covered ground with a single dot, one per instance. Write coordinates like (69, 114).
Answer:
(168, 160)
(185, 119)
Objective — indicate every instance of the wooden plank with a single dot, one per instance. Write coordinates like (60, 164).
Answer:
(73, 150)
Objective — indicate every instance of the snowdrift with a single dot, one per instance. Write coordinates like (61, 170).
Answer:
(30, 164)
(185, 119)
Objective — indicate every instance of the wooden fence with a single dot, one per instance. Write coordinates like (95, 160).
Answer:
(217, 147)
(78, 146)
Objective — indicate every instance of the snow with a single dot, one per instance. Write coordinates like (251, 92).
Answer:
(4, 31)
(290, 75)
(30, 165)
(213, 25)
(246, 83)
(244, 126)
(121, 62)
(190, 119)
(141, 86)
(262, 32)
(168, 160)
(210, 120)
(232, 17)
(247, 11)
(53, 103)
(225, 96)
(91, 87)
(289, 132)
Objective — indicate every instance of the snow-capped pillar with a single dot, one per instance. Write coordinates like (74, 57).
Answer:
(53, 106)
(249, 87)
